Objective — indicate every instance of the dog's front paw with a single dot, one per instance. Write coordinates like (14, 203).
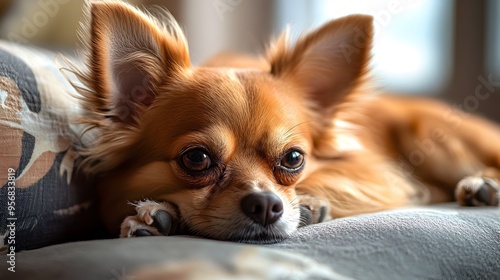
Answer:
(313, 210)
(477, 191)
(153, 218)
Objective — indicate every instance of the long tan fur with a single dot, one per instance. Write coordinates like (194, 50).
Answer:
(312, 96)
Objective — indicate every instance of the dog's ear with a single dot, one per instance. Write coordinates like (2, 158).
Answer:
(131, 54)
(329, 62)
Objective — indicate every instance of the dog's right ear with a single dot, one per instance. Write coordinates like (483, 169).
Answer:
(131, 54)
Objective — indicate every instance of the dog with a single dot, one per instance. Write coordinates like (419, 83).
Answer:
(249, 149)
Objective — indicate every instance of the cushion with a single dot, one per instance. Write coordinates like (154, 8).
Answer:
(433, 242)
(36, 166)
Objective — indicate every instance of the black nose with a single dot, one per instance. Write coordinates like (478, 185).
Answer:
(264, 208)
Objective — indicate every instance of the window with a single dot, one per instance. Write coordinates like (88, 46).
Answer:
(413, 38)
(493, 43)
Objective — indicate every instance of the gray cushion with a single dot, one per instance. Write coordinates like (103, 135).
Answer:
(435, 242)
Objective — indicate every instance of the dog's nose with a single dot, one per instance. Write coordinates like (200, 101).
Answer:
(264, 208)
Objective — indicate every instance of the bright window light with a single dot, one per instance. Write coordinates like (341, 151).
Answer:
(413, 38)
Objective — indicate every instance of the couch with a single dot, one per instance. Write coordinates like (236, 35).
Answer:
(52, 230)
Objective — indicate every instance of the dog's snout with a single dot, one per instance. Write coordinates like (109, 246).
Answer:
(263, 208)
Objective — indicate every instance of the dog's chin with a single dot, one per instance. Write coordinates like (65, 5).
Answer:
(263, 236)
(250, 233)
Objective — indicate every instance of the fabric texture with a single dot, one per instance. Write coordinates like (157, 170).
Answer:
(435, 242)
(37, 105)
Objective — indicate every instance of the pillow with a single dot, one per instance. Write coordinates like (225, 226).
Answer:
(432, 242)
(42, 200)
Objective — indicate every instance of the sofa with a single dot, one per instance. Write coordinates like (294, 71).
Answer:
(50, 227)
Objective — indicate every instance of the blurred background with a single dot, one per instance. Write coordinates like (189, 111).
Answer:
(442, 48)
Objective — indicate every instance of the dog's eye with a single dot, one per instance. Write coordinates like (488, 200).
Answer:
(292, 161)
(196, 160)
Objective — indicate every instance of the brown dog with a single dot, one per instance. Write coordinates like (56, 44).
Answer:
(249, 149)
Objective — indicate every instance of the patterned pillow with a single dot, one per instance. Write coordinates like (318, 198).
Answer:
(42, 199)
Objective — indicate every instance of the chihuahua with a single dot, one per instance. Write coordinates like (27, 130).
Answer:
(249, 149)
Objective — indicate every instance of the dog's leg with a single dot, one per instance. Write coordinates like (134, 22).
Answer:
(479, 190)
(456, 155)
(313, 210)
(152, 218)
(353, 185)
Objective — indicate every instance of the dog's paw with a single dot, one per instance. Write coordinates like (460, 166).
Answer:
(313, 210)
(477, 191)
(153, 218)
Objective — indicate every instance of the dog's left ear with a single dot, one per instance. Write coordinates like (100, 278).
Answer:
(327, 63)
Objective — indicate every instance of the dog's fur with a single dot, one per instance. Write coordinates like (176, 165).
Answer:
(363, 151)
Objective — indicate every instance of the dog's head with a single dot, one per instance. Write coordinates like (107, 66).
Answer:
(228, 146)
